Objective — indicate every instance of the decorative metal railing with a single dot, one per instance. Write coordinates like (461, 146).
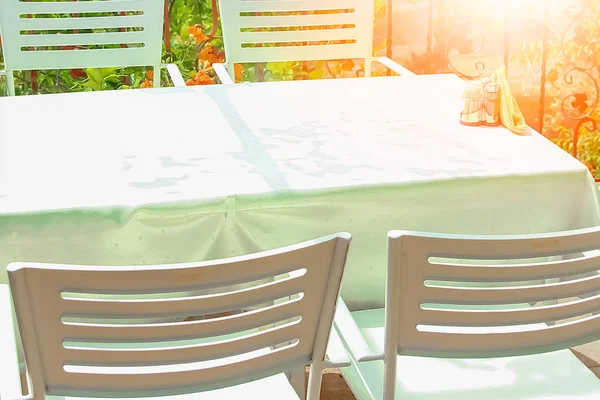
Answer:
(579, 105)
(558, 68)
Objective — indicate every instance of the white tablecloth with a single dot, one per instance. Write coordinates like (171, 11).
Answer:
(177, 175)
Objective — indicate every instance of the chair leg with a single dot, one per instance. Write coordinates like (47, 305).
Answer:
(389, 378)
(156, 76)
(368, 68)
(315, 377)
(10, 82)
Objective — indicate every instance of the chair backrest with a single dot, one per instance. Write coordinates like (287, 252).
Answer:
(86, 329)
(296, 30)
(81, 34)
(470, 296)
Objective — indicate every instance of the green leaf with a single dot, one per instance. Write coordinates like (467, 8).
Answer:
(94, 74)
(112, 82)
(277, 68)
(91, 85)
(317, 73)
(104, 72)
(96, 77)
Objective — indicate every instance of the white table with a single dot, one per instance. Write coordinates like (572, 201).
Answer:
(176, 175)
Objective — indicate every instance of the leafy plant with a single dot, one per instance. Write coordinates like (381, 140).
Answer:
(183, 52)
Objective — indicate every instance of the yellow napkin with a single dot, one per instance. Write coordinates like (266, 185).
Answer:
(510, 113)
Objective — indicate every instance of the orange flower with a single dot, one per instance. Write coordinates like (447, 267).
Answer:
(200, 38)
(146, 84)
(201, 78)
(238, 71)
(205, 51)
(196, 31)
(210, 56)
(348, 65)
(192, 30)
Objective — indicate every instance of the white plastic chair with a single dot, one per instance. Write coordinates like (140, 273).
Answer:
(25, 47)
(349, 33)
(83, 335)
(446, 333)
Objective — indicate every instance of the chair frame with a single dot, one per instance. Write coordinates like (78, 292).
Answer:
(355, 24)
(409, 269)
(45, 354)
(59, 51)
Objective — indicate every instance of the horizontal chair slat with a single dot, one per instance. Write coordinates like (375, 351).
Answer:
(128, 21)
(298, 36)
(185, 305)
(505, 344)
(499, 248)
(294, 5)
(205, 276)
(278, 54)
(187, 354)
(97, 58)
(296, 20)
(184, 330)
(193, 380)
(179, 278)
(513, 295)
(82, 7)
(83, 39)
(525, 272)
(528, 315)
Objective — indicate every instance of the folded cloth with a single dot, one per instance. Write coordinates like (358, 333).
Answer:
(510, 113)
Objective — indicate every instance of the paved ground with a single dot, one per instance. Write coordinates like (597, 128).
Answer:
(334, 387)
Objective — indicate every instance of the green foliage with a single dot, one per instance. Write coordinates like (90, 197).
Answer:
(184, 50)
(183, 53)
